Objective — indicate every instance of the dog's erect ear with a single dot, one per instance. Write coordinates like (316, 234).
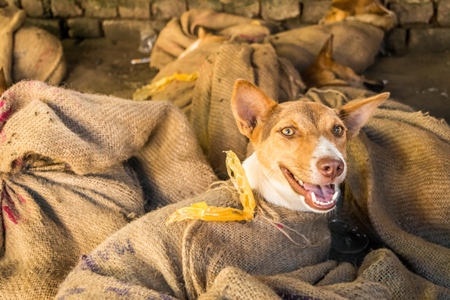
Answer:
(356, 113)
(327, 49)
(250, 106)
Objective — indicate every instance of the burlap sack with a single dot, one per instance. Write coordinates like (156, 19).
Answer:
(11, 19)
(38, 55)
(382, 276)
(28, 52)
(75, 168)
(399, 181)
(181, 32)
(405, 161)
(182, 260)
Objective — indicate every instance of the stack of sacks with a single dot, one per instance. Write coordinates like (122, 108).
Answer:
(75, 168)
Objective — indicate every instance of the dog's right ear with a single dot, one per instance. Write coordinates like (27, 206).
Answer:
(250, 106)
(356, 113)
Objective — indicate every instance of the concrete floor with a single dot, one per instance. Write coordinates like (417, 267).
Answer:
(102, 66)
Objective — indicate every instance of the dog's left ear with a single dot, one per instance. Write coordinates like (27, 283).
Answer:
(250, 106)
(356, 113)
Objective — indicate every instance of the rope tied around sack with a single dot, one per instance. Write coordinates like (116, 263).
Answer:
(201, 210)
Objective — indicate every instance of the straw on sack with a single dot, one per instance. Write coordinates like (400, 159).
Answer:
(75, 168)
(201, 210)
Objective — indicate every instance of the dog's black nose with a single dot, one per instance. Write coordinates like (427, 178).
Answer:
(330, 167)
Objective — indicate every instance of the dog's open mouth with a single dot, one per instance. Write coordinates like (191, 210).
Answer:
(318, 197)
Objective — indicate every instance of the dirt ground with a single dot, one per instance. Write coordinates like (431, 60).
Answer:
(103, 66)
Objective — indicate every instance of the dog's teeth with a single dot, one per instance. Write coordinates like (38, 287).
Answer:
(335, 195)
(298, 180)
(314, 199)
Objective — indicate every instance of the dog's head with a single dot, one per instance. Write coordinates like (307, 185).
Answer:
(300, 147)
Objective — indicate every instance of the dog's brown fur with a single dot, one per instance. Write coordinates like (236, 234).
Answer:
(325, 71)
(300, 147)
(368, 11)
(3, 85)
(204, 38)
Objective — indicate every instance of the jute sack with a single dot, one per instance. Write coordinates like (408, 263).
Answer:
(77, 167)
(11, 19)
(399, 182)
(38, 55)
(405, 187)
(180, 33)
(28, 52)
(148, 258)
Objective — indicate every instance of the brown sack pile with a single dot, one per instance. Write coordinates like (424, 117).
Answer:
(75, 168)
(28, 52)
(180, 33)
(396, 166)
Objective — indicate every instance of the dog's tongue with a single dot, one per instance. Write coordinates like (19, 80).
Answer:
(324, 193)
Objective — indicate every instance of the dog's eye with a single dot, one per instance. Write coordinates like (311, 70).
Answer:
(338, 130)
(288, 131)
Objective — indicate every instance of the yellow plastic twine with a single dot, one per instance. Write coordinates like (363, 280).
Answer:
(201, 211)
(151, 89)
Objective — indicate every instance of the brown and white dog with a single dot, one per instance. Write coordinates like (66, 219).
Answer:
(368, 11)
(325, 71)
(299, 147)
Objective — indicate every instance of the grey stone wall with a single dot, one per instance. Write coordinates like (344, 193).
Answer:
(424, 25)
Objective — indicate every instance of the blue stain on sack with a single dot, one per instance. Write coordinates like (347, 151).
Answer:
(118, 291)
(70, 292)
(121, 249)
(103, 254)
(88, 263)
